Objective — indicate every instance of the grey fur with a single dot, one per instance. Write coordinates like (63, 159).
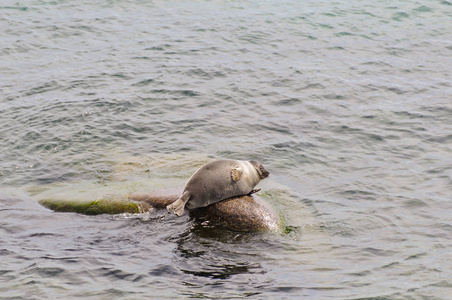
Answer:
(218, 181)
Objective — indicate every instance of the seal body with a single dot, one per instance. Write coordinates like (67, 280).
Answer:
(219, 180)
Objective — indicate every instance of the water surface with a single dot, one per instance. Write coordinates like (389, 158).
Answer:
(347, 104)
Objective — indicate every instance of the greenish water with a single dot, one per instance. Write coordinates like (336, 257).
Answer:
(348, 105)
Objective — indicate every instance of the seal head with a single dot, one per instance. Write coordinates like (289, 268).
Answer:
(219, 180)
(260, 169)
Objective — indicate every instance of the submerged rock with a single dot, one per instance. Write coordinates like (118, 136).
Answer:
(108, 205)
(242, 213)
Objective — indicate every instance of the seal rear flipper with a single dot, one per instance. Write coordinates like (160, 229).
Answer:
(177, 207)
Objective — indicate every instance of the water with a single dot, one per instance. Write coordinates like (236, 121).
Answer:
(348, 104)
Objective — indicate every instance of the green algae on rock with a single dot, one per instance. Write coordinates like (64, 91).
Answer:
(107, 205)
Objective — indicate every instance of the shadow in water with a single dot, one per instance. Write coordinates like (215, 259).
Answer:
(216, 253)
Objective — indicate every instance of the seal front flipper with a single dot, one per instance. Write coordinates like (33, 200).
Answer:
(177, 207)
(236, 173)
(255, 191)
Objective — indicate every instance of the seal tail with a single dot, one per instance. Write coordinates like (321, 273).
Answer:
(177, 207)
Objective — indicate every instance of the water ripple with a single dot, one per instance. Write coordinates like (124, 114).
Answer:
(346, 104)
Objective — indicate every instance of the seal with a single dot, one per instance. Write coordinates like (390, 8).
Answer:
(219, 180)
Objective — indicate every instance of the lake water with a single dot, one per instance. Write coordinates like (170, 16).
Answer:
(347, 103)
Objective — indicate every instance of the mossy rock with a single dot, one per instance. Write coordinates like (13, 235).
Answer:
(248, 213)
(243, 213)
(109, 205)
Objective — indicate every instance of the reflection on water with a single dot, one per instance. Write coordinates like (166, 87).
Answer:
(219, 259)
(198, 246)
